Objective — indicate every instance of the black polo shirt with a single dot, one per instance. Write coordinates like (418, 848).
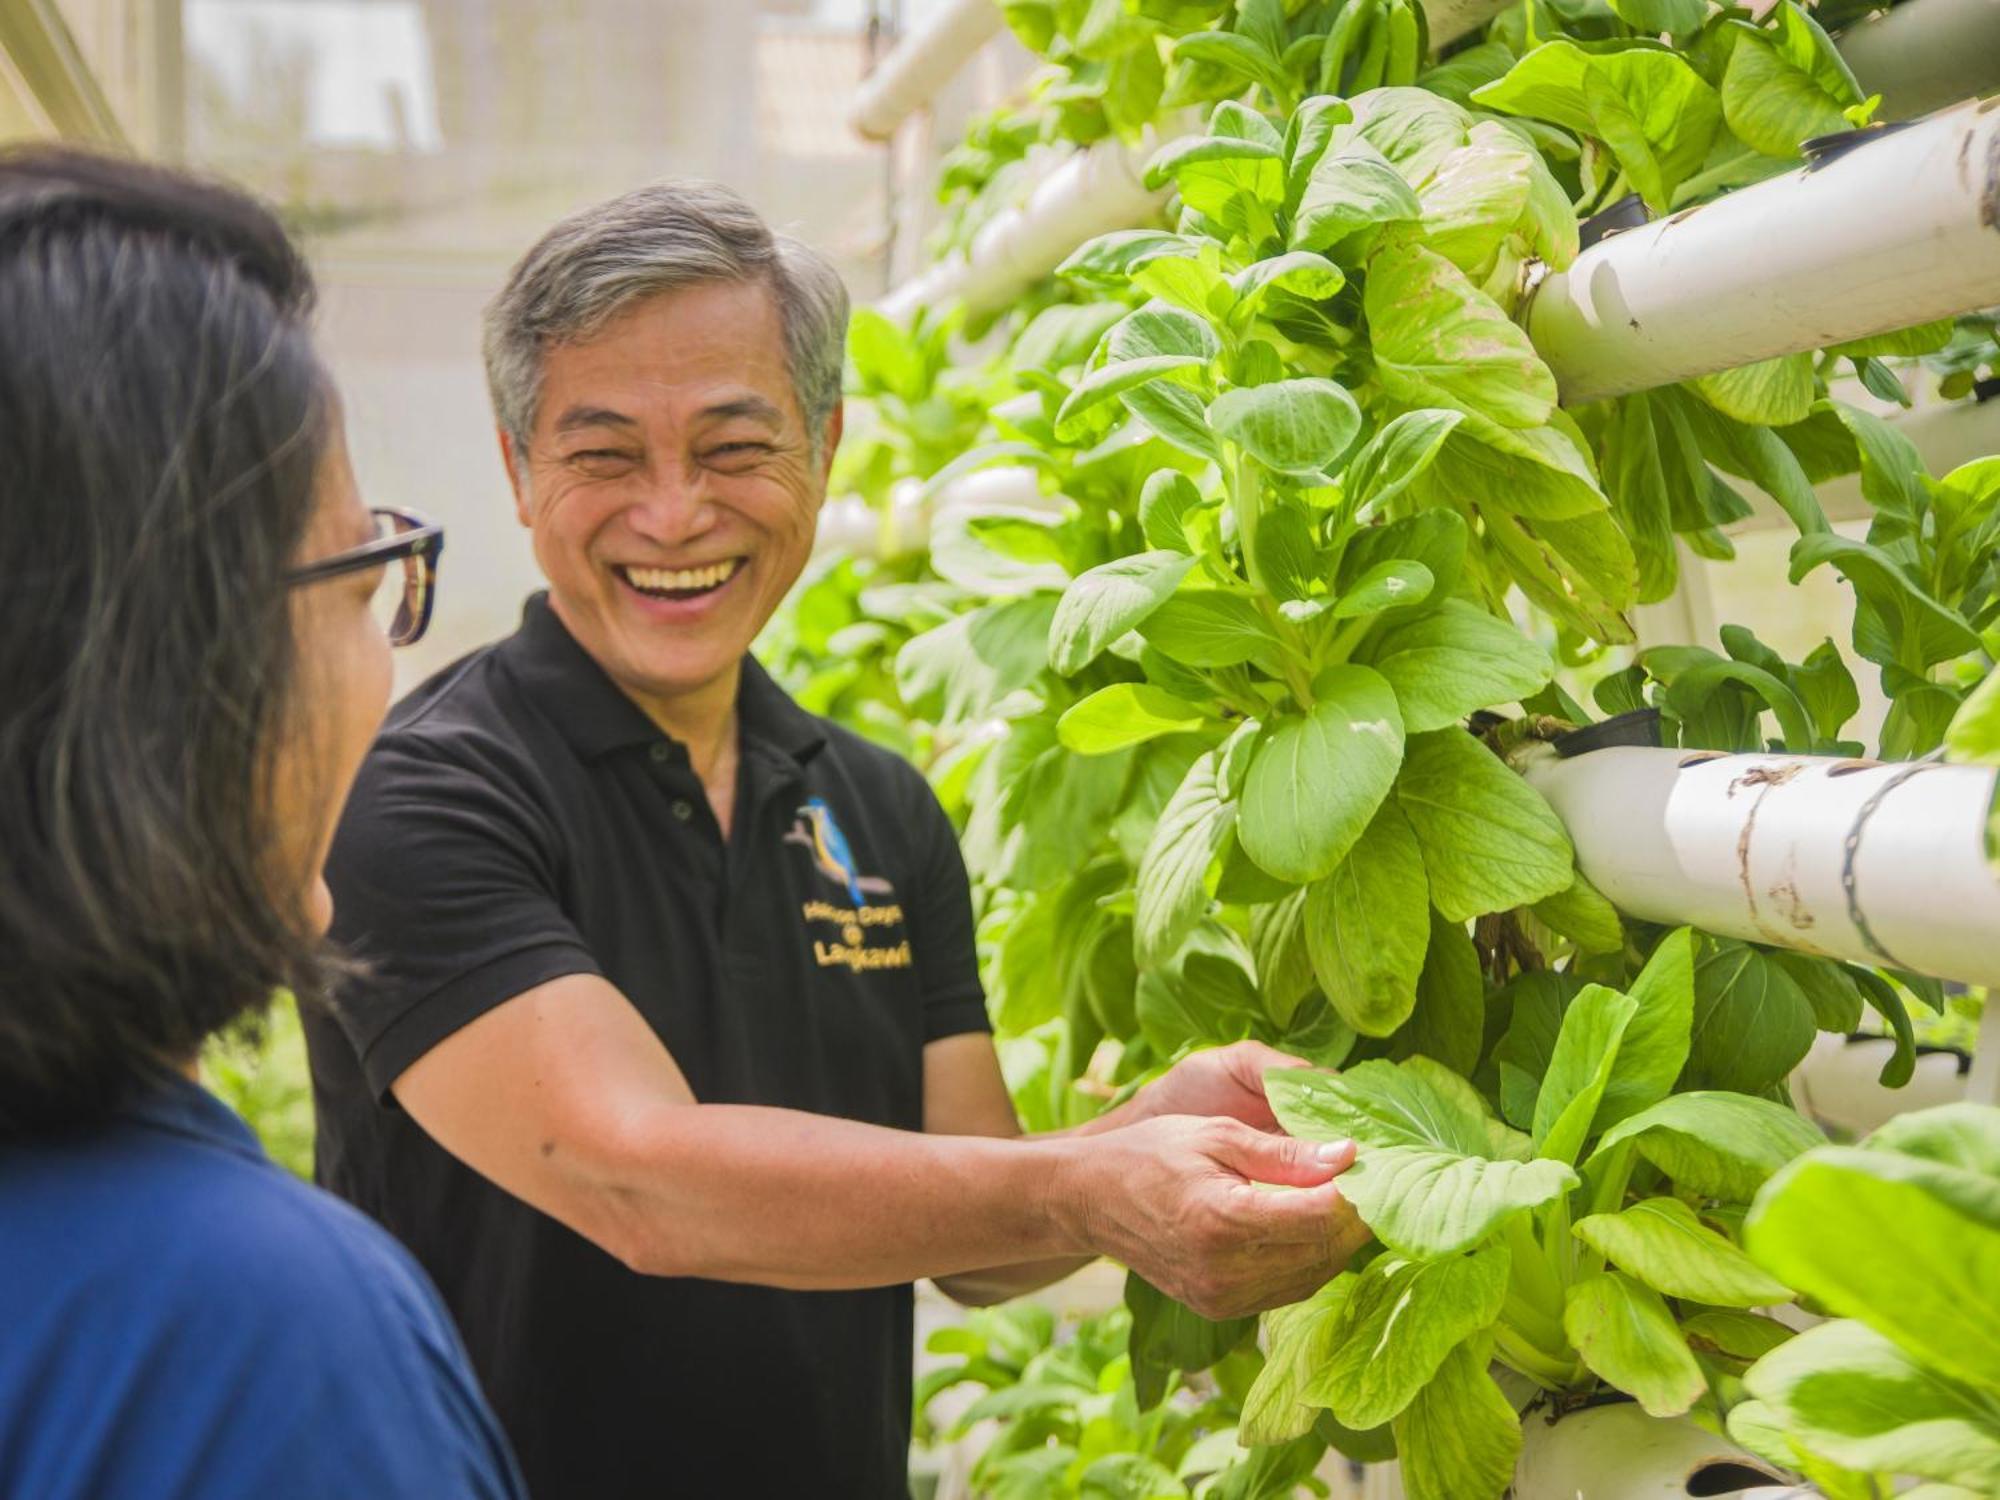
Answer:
(520, 819)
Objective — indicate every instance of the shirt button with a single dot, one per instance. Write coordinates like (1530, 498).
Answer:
(661, 753)
(682, 808)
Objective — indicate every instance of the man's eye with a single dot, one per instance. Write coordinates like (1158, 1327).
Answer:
(600, 456)
(728, 450)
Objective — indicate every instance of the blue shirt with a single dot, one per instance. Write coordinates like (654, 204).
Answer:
(181, 1318)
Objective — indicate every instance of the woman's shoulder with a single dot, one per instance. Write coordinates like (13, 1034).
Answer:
(177, 1279)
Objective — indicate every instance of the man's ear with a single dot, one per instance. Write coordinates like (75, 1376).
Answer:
(515, 462)
(835, 425)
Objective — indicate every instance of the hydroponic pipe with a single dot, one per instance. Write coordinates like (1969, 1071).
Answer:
(1856, 859)
(922, 64)
(1897, 229)
(1097, 190)
(1926, 54)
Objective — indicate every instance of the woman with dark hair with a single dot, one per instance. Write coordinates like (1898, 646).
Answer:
(191, 666)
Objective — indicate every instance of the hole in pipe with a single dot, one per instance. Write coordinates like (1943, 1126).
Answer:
(1701, 757)
(1728, 1478)
(1849, 767)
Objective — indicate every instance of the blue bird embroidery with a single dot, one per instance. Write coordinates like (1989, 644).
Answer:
(829, 846)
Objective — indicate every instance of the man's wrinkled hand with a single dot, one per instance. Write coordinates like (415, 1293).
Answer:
(1222, 1216)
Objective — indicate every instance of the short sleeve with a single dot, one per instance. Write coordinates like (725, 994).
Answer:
(941, 927)
(445, 874)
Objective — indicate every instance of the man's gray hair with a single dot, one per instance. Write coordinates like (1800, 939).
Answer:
(606, 258)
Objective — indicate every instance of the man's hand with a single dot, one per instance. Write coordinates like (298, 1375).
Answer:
(1223, 1081)
(1177, 1200)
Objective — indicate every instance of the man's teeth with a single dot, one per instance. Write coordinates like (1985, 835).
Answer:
(683, 578)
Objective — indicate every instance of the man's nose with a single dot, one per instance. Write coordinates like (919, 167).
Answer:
(675, 509)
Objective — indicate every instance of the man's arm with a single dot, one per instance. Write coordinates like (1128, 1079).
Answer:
(566, 1098)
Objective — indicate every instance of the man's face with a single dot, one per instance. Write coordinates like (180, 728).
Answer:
(671, 487)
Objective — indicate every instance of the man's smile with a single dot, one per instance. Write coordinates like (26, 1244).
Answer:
(679, 583)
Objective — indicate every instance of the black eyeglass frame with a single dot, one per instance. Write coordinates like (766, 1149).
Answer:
(419, 538)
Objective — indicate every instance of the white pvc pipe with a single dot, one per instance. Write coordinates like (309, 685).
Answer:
(1854, 859)
(1894, 232)
(922, 64)
(1094, 192)
(849, 523)
(1926, 54)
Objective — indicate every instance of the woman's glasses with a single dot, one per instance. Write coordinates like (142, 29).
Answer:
(408, 546)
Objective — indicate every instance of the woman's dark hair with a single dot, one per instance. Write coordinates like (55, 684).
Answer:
(163, 417)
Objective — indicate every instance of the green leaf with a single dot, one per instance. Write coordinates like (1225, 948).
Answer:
(1454, 659)
(1396, 1329)
(1176, 414)
(1367, 928)
(1625, 1334)
(1740, 1338)
(1714, 1144)
(1284, 966)
(1475, 200)
(1636, 483)
(1580, 1068)
(884, 356)
(1440, 341)
(1910, 627)
(1125, 714)
(1489, 840)
(1101, 605)
(1352, 187)
(1536, 471)
(1317, 779)
(1288, 550)
(1460, 1438)
(1102, 384)
(1656, 16)
(1289, 426)
(1846, 1393)
(1752, 1022)
(1773, 392)
(1172, 872)
(1908, 1245)
(1649, 106)
(1436, 538)
(1110, 259)
(1660, 1242)
(1167, 1337)
(1300, 272)
(1449, 1021)
(1581, 572)
(1240, 55)
(1582, 915)
(1974, 736)
(1423, 1181)
(1747, 451)
(1392, 584)
(1394, 456)
(1298, 1341)
(1210, 628)
(960, 670)
(1163, 506)
(1655, 1045)
(1207, 998)
(1771, 98)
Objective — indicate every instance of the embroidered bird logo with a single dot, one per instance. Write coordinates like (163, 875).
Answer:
(829, 847)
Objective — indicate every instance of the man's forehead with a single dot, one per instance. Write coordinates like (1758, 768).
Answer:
(716, 346)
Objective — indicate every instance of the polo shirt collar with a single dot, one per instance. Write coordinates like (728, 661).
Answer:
(180, 1106)
(595, 716)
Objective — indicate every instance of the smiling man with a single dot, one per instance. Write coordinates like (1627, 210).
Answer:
(669, 1059)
